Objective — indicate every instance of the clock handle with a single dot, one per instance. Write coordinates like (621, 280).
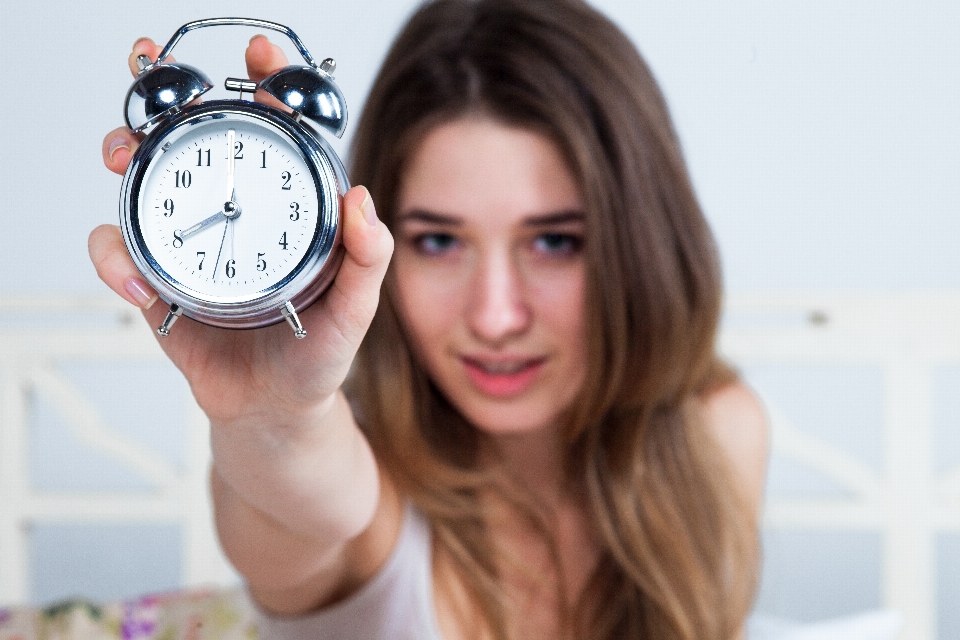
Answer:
(246, 22)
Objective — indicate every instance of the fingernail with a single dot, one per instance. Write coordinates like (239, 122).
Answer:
(117, 144)
(141, 292)
(259, 35)
(368, 210)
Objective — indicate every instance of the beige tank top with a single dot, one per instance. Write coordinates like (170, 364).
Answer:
(397, 604)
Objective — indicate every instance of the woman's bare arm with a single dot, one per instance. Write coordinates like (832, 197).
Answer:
(291, 557)
(301, 507)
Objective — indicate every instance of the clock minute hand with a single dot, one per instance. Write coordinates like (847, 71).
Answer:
(231, 141)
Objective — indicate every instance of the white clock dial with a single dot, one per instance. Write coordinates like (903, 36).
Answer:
(226, 242)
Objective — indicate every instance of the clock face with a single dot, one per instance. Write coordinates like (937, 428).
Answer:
(228, 208)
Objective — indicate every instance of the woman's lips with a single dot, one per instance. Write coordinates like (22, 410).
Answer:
(502, 378)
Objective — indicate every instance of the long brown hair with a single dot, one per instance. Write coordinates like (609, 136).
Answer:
(679, 543)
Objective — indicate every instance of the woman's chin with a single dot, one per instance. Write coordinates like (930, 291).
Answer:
(508, 420)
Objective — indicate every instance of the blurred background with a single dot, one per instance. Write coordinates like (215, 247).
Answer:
(823, 141)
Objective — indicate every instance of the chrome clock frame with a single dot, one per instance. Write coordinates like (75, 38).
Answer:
(298, 289)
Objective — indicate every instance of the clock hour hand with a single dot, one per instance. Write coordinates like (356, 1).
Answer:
(230, 211)
(203, 224)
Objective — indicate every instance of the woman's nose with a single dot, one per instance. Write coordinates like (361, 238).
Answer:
(497, 308)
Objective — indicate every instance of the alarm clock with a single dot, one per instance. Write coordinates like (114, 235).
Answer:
(231, 209)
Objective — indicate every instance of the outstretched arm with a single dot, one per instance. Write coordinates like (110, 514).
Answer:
(301, 507)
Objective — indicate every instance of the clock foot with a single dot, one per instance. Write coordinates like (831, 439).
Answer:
(290, 315)
(164, 329)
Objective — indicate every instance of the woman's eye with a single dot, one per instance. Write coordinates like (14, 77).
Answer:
(434, 243)
(558, 243)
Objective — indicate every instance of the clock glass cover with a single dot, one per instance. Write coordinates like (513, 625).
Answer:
(228, 239)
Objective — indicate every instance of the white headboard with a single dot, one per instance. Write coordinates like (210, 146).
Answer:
(905, 501)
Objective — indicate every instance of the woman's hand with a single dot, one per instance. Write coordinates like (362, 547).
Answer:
(265, 370)
(294, 479)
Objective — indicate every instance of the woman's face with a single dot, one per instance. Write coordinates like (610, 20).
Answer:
(489, 267)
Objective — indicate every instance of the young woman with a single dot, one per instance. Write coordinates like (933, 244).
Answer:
(520, 429)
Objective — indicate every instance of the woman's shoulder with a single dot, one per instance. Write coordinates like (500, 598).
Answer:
(736, 418)
(734, 411)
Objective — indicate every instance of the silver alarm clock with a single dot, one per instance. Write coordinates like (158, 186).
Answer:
(230, 208)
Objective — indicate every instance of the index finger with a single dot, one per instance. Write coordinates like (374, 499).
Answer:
(264, 58)
(144, 47)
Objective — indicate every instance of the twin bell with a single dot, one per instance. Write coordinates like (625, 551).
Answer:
(162, 89)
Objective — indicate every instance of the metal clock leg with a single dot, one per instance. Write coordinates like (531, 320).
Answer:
(164, 329)
(290, 315)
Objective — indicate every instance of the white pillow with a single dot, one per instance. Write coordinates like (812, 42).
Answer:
(872, 625)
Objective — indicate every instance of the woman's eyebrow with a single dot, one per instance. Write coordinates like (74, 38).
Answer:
(429, 217)
(549, 219)
(538, 220)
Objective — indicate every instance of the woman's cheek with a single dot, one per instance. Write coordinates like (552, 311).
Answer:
(557, 286)
(431, 296)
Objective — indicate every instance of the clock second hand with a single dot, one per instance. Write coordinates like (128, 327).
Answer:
(233, 233)
(231, 194)
(217, 263)
(235, 212)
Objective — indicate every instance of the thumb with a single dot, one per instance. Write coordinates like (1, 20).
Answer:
(352, 299)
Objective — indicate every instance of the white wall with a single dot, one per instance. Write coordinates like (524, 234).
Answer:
(822, 135)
